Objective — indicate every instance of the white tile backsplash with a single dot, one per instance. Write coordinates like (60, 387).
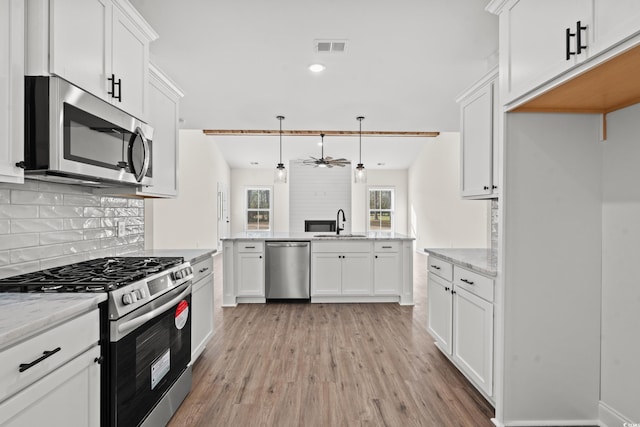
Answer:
(45, 225)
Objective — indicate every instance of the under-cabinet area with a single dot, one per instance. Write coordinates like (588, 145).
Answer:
(371, 268)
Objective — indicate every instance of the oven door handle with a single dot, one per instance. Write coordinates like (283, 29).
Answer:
(134, 323)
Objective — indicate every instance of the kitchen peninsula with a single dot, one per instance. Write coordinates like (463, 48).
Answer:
(348, 268)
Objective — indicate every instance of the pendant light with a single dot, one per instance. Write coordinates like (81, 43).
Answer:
(360, 175)
(280, 176)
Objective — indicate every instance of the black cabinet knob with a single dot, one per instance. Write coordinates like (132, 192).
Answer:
(486, 187)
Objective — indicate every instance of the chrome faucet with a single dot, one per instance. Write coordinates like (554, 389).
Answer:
(338, 229)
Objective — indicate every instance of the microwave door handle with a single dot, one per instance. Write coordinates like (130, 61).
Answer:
(147, 157)
(137, 321)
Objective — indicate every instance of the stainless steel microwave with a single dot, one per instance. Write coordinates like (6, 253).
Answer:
(72, 136)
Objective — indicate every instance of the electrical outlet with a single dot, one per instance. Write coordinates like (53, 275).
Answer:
(122, 231)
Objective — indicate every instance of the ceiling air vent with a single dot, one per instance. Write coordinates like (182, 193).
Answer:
(330, 46)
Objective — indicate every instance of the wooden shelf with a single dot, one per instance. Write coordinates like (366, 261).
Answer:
(607, 87)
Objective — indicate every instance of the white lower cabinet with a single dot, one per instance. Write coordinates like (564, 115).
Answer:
(341, 269)
(202, 304)
(387, 268)
(250, 269)
(460, 319)
(42, 374)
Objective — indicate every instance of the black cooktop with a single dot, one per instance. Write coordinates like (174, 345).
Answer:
(96, 275)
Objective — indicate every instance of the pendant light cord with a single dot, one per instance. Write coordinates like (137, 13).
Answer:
(281, 118)
(360, 119)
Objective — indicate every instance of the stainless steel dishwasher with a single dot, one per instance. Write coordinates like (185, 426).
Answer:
(287, 270)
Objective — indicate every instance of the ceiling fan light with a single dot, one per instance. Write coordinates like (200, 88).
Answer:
(317, 68)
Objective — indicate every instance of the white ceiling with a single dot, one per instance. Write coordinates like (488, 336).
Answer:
(243, 62)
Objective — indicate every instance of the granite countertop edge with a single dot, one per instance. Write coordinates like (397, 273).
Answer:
(313, 236)
(479, 260)
(23, 315)
(192, 255)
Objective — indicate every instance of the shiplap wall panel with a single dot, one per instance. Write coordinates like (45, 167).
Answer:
(317, 194)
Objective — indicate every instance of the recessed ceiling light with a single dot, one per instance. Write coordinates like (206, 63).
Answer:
(381, 164)
(317, 68)
(254, 163)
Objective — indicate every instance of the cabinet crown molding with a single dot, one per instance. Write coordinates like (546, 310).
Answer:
(496, 6)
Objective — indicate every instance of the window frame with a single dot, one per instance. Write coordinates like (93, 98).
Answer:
(247, 209)
(392, 211)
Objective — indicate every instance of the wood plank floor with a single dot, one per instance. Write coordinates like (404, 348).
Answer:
(328, 365)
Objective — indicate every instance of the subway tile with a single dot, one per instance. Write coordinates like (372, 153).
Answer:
(127, 212)
(61, 211)
(5, 258)
(17, 269)
(99, 233)
(35, 225)
(81, 223)
(16, 241)
(63, 260)
(81, 200)
(18, 211)
(136, 220)
(60, 237)
(82, 246)
(5, 226)
(94, 212)
(114, 202)
(36, 253)
(108, 222)
(19, 197)
(136, 203)
(135, 238)
(5, 196)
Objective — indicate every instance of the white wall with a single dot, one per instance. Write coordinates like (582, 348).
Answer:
(620, 255)
(438, 218)
(396, 179)
(243, 178)
(190, 220)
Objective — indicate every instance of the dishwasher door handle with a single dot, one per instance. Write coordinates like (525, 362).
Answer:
(287, 245)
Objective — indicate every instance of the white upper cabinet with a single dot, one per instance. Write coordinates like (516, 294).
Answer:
(613, 21)
(101, 46)
(539, 40)
(164, 98)
(11, 90)
(478, 139)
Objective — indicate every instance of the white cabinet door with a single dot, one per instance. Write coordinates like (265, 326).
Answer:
(250, 274)
(356, 274)
(476, 144)
(613, 21)
(46, 402)
(387, 274)
(11, 90)
(80, 42)
(202, 320)
(130, 64)
(164, 98)
(473, 338)
(326, 274)
(439, 311)
(534, 43)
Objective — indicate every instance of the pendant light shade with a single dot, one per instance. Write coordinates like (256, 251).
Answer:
(280, 175)
(360, 174)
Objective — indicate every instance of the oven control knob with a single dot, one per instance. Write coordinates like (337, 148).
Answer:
(126, 299)
(142, 293)
(189, 270)
(138, 293)
(134, 297)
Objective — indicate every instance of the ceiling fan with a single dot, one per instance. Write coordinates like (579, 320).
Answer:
(325, 162)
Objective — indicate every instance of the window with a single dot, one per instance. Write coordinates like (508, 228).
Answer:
(258, 217)
(381, 209)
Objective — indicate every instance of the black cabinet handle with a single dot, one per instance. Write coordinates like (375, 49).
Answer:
(376, 256)
(98, 360)
(249, 247)
(486, 187)
(202, 270)
(579, 46)
(435, 266)
(467, 281)
(45, 354)
(112, 92)
(568, 35)
(21, 164)
(386, 247)
(119, 84)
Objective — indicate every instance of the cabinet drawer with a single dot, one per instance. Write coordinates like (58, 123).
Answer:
(441, 268)
(250, 246)
(386, 246)
(72, 338)
(202, 268)
(341, 247)
(475, 283)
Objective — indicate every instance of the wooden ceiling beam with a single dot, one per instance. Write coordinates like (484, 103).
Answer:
(271, 132)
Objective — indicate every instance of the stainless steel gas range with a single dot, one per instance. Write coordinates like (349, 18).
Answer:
(145, 331)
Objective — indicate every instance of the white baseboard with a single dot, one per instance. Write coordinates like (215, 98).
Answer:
(609, 417)
(534, 423)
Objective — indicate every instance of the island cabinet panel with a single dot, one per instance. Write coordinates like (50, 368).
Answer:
(250, 274)
(326, 276)
(387, 268)
(356, 274)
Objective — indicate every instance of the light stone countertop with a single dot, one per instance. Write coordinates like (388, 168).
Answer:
(25, 314)
(483, 261)
(316, 235)
(192, 255)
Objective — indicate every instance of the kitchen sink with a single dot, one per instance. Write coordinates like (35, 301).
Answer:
(337, 236)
